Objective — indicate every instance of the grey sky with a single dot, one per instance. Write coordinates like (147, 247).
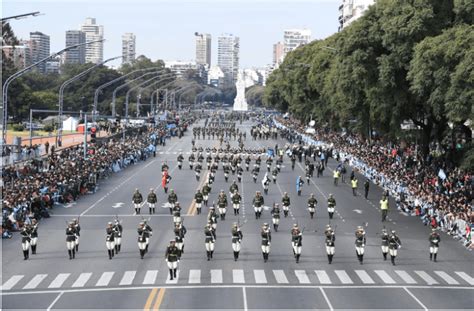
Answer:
(165, 28)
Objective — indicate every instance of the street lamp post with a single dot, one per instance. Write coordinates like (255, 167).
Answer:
(22, 72)
(140, 89)
(157, 93)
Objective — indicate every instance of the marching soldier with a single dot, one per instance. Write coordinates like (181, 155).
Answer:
(179, 233)
(266, 241)
(137, 199)
(191, 160)
(331, 205)
(286, 204)
(247, 162)
(434, 244)
(71, 240)
(25, 240)
(394, 244)
(226, 171)
(296, 241)
(275, 216)
(110, 239)
(240, 171)
(197, 170)
(236, 240)
(212, 217)
(176, 213)
(360, 243)
(366, 189)
(255, 172)
(172, 256)
(205, 193)
(118, 229)
(34, 235)
(198, 197)
(258, 202)
(274, 175)
(384, 207)
(385, 238)
(143, 238)
(210, 240)
(222, 203)
(330, 242)
(152, 199)
(265, 183)
(172, 199)
(77, 228)
(180, 160)
(233, 188)
(236, 199)
(312, 205)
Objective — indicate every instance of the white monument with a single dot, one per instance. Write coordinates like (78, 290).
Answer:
(240, 103)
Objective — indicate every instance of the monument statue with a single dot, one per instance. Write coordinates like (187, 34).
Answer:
(240, 103)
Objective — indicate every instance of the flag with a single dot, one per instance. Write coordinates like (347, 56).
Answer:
(442, 174)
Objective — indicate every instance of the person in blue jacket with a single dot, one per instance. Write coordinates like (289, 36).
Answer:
(299, 183)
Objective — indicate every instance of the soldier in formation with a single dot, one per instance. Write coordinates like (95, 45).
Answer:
(137, 200)
(258, 202)
(266, 241)
(172, 256)
(434, 244)
(210, 240)
(331, 206)
(394, 244)
(198, 198)
(34, 235)
(330, 242)
(118, 229)
(222, 203)
(275, 216)
(360, 243)
(26, 240)
(236, 199)
(286, 204)
(152, 199)
(180, 233)
(296, 241)
(236, 240)
(71, 240)
(110, 239)
(312, 205)
(144, 233)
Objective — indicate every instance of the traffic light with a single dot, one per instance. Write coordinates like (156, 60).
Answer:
(93, 133)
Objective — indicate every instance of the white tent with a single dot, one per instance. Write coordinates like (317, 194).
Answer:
(70, 124)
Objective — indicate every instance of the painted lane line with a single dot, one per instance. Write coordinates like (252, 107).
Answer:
(302, 277)
(364, 276)
(35, 281)
(326, 298)
(216, 276)
(194, 276)
(387, 279)
(244, 297)
(343, 276)
(59, 280)
(426, 277)
(105, 279)
(55, 301)
(280, 277)
(405, 277)
(415, 298)
(238, 276)
(150, 299)
(159, 299)
(11, 282)
(82, 280)
(447, 278)
(260, 277)
(323, 277)
(150, 277)
(466, 277)
(128, 277)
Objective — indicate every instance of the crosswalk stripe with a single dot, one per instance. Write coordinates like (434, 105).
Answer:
(426, 277)
(387, 279)
(238, 276)
(174, 280)
(323, 277)
(302, 277)
(59, 280)
(216, 276)
(12, 282)
(150, 277)
(447, 278)
(260, 277)
(405, 277)
(364, 276)
(280, 276)
(105, 279)
(127, 278)
(194, 276)
(35, 281)
(82, 279)
(466, 277)
(343, 276)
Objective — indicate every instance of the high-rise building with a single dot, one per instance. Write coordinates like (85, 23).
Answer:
(128, 48)
(228, 57)
(78, 54)
(203, 49)
(94, 32)
(39, 48)
(293, 38)
(18, 54)
(350, 10)
(278, 54)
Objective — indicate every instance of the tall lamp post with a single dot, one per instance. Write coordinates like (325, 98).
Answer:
(10, 79)
(140, 90)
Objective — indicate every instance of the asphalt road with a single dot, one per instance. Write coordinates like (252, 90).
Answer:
(49, 280)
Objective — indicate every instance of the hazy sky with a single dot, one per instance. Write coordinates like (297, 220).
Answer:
(165, 28)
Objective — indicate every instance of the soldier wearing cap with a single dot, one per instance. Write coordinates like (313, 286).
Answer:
(360, 243)
(384, 246)
(331, 205)
(236, 240)
(110, 239)
(152, 199)
(296, 241)
(209, 241)
(394, 244)
(172, 256)
(330, 242)
(434, 244)
(266, 241)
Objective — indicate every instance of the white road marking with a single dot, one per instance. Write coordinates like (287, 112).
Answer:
(415, 298)
(216, 276)
(447, 278)
(35, 281)
(323, 277)
(118, 205)
(12, 282)
(280, 277)
(426, 277)
(174, 280)
(105, 279)
(343, 276)
(238, 276)
(128, 277)
(364, 276)
(260, 277)
(405, 277)
(54, 301)
(150, 277)
(244, 297)
(466, 277)
(302, 277)
(387, 279)
(59, 280)
(82, 280)
(326, 298)
(194, 276)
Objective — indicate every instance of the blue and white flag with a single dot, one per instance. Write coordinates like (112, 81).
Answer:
(441, 174)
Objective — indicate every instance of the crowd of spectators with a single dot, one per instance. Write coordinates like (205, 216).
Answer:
(430, 187)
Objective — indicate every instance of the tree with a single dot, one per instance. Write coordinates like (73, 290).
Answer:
(254, 95)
